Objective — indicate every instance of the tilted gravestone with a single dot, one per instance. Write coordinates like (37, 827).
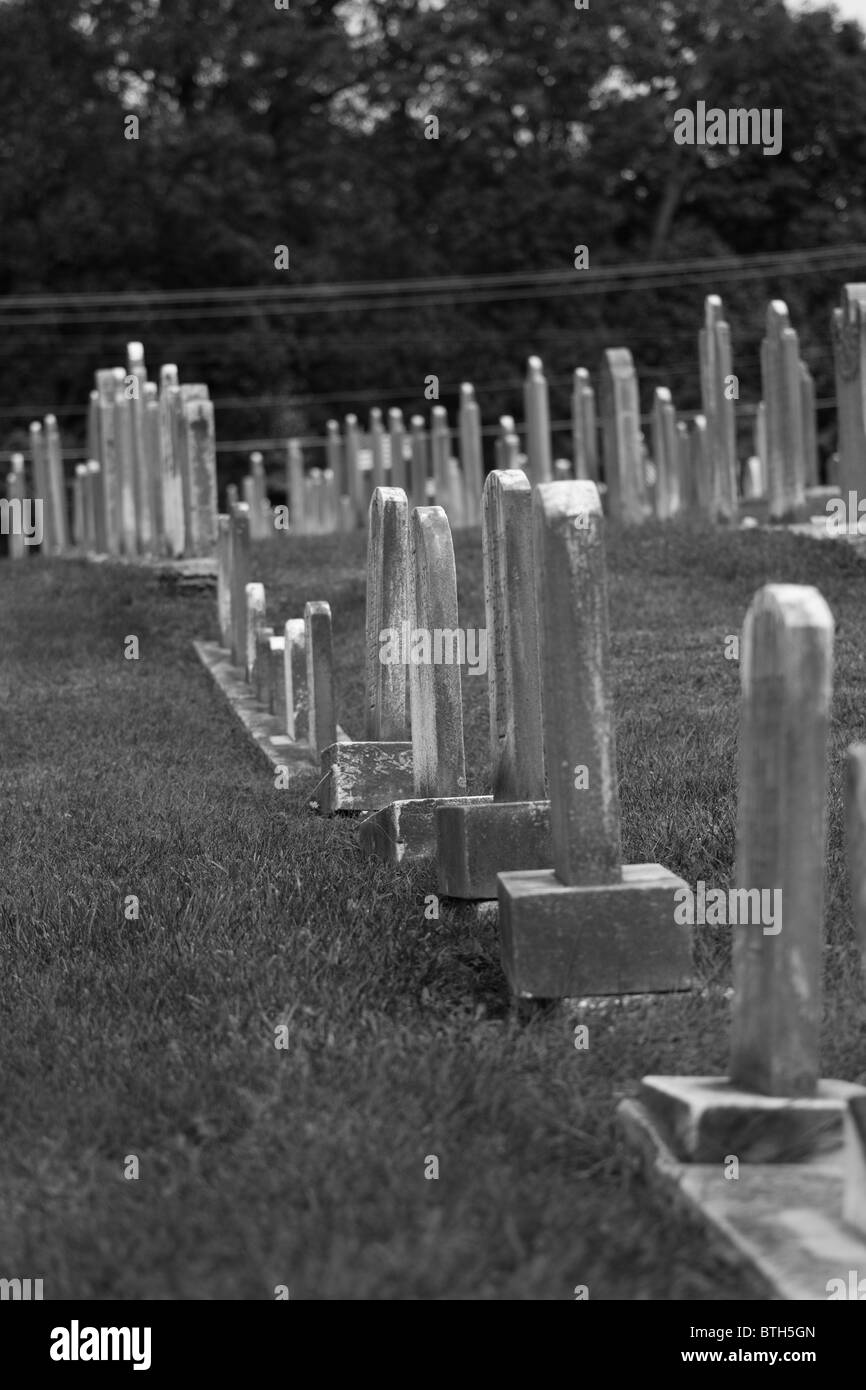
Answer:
(405, 829)
(477, 841)
(320, 676)
(589, 925)
(363, 776)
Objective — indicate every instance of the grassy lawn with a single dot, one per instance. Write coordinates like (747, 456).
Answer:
(155, 1037)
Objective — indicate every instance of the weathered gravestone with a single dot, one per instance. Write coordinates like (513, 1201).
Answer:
(239, 566)
(719, 410)
(849, 346)
(539, 452)
(583, 427)
(476, 841)
(773, 1108)
(254, 598)
(364, 776)
(590, 925)
(665, 450)
(780, 373)
(471, 452)
(621, 438)
(320, 677)
(406, 829)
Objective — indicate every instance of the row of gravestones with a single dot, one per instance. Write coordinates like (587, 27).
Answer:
(694, 469)
(149, 485)
(574, 921)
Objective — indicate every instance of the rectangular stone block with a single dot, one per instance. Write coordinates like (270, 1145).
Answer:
(560, 941)
(706, 1118)
(406, 830)
(365, 776)
(477, 842)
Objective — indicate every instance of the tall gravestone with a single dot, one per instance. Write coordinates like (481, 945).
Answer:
(363, 776)
(849, 348)
(620, 414)
(589, 925)
(718, 409)
(780, 372)
(476, 841)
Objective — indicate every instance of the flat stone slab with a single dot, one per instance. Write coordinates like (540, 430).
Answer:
(406, 829)
(477, 842)
(561, 942)
(265, 729)
(782, 1220)
(704, 1118)
(365, 776)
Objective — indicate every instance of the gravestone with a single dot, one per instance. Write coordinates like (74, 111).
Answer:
(320, 676)
(780, 373)
(201, 521)
(169, 465)
(405, 829)
(471, 451)
(254, 598)
(584, 430)
(621, 438)
(772, 1108)
(419, 462)
(15, 494)
(589, 925)
(536, 406)
(224, 600)
(377, 446)
(849, 349)
(38, 456)
(240, 566)
(56, 479)
(295, 489)
(296, 695)
(665, 450)
(354, 479)
(397, 438)
(363, 776)
(719, 410)
(440, 452)
(810, 426)
(477, 841)
(136, 377)
(107, 453)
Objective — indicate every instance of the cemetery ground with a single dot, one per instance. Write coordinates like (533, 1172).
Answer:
(155, 1037)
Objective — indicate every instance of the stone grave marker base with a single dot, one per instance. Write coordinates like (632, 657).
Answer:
(705, 1118)
(478, 841)
(406, 829)
(365, 776)
(781, 1221)
(560, 941)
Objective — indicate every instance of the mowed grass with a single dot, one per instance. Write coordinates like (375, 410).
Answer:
(155, 1037)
